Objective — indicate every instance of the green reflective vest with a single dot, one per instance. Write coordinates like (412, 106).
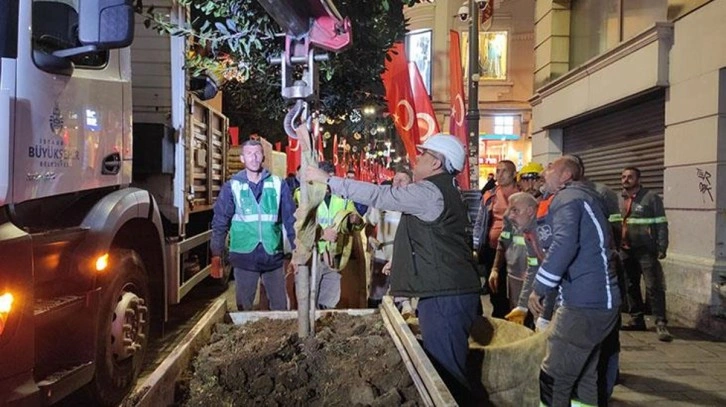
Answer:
(256, 222)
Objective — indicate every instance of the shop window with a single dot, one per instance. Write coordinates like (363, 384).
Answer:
(418, 50)
(599, 25)
(504, 125)
(493, 55)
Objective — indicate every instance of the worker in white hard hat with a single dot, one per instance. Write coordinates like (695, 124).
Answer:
(432, 256)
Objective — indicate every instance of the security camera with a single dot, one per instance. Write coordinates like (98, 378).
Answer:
(463, 13)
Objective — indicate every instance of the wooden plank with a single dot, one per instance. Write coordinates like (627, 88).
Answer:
(440, 394)
(158, 388)
(425, 396)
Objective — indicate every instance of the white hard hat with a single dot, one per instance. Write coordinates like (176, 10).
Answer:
(450, 147)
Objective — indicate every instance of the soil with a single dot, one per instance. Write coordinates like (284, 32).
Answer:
(351, 361)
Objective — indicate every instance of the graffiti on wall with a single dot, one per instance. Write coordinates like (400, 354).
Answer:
(704, 183)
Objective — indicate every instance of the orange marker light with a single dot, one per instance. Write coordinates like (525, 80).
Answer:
(102, 262)
(6, 304)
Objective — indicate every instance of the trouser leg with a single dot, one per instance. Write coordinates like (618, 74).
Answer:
(654, 285)
(274, 281)
(445, 324)
(572, 355)
(245, 288)
(632, 286)
(328, 283)
(609, 364)
(379, 282)
(499, 300)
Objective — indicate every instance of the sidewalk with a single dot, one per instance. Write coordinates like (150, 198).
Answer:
(690, 371)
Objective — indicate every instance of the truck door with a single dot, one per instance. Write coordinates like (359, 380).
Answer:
(74, 114)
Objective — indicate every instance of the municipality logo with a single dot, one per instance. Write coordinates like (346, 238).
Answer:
(56, 120)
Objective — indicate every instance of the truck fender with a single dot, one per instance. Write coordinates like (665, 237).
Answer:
(110, 214)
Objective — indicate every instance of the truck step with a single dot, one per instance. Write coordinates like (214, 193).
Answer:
(52, 309)
(61, 383)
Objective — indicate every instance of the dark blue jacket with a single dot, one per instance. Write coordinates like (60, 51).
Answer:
(258, 259)
(579, 249)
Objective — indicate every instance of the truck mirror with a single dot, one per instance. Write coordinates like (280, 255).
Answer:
(106, 23)
(102, 25)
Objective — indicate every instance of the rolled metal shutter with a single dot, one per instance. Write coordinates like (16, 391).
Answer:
(630, 136)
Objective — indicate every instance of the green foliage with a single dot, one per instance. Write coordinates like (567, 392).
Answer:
(235, 38)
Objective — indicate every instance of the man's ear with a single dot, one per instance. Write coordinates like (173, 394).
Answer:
(441, 164)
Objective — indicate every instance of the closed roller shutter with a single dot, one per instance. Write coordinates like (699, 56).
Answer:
(631, 136)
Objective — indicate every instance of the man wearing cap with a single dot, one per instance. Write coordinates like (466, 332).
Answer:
(432, 259)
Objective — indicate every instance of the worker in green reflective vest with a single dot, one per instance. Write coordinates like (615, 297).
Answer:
(252, 207)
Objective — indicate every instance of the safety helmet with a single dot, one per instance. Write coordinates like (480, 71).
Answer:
(448, 146)
(531, 170)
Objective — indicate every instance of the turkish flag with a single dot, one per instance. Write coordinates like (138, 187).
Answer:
(457, 124)
(485, 16)
(293, 155)
(425, 116)
(400, 98)
(339, 171)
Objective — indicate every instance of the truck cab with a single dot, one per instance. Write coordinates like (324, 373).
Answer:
(94, 246)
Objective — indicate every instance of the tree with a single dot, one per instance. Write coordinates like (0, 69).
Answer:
(233, 40)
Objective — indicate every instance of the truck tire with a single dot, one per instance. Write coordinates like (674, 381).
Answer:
(122, 329)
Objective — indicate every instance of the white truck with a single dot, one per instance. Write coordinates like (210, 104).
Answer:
(109, 168)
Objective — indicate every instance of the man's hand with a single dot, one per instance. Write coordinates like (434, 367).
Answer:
(661, 255)
(216, 271)
(386, 269)
(374, 243)
(517, 315)
(313, 174)
(330, 234)
(535, 304)
(291, 268)
(494, 280)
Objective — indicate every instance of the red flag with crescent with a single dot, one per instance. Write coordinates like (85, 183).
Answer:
(425, 116)
(400, 98)
(293, 155)
(457, 123)
(485, 16)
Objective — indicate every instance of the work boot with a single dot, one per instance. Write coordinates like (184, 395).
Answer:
(662, 331)
(635, 324)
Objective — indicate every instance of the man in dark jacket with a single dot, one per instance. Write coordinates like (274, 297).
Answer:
(432, 259)
(644, 243)
(579, 263)
(253, 206)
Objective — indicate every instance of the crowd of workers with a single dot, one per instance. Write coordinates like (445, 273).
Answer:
(555, 252)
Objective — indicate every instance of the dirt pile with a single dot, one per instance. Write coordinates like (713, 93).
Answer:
(350, 361)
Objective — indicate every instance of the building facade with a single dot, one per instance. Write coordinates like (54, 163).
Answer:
(643, 83)
(505, 82)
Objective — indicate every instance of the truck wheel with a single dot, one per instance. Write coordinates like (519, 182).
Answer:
(123, 328)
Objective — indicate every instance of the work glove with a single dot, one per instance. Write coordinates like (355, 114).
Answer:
(541, 324)
(216, 271)
(517, 315)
